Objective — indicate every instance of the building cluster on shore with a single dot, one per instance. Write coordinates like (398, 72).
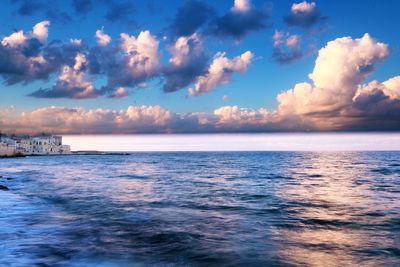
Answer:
(41, 145)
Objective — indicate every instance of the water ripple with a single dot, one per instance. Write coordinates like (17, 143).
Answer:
(202, 209)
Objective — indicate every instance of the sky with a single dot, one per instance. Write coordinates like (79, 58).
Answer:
(190, 66)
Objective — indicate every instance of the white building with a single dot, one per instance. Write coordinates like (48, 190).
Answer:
(43, 145)
(7, 147)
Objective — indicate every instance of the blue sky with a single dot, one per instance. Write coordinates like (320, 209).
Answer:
(256, 88)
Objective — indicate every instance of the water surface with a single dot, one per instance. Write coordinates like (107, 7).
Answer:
(202, 209)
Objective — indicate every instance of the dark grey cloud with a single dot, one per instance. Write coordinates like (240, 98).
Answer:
(237, 24)
(127, 63)
(375, 103)
(31, 48)
(82, 6)
(122, 69)
(56, 14)
(102, 58)
(191, 65)
(99, 60)
(120, 11)
(24, 58)
(50, 9)
(116, 11)
(64, 90)
(120, 75)
(287, 47)
(374, 110)
(72, 82)
(287, 56)
(179, 77)
(191, 16)
(198, 16)
(305, 18)
(19, 64)
(27, 7)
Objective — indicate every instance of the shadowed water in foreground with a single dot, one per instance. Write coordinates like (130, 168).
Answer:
(202, 209)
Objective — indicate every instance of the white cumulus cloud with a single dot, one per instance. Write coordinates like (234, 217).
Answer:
(303, 7)
(220, 72)
(102, 38)
(242, 5)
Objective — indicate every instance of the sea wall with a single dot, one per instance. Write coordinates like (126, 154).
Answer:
(7, 149)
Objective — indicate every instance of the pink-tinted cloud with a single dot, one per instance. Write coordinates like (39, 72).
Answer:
(102, 38)
(304, 14)
(71, 82)
(220, 72)
(337, 98)
(127, 63)
(135, 119)
(188, 61)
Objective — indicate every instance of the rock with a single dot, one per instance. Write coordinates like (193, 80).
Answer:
(8, 178)
(3, 187)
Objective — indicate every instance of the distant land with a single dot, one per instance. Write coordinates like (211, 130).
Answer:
(20, 146)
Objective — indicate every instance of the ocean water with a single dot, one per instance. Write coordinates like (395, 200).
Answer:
(202, 209)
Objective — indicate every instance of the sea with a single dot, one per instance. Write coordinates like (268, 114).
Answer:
(202, 209)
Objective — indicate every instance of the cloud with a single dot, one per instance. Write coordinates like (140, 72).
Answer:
(286, 47)
(305, 15)
(336, 97)
(132, 61)
(82, 6)
(120, 92)
(71, 83)
(23, 57)
(27, 7)
(293, 41)
(242, 19)
(102, 38)
(220, 72)
(121, 11)
(141, 53)
(235, 116)
(15, 39)
(379, 101)
(191, 16)
(241, 5)
(41, 31)
(135, 119)
(139, 119)
(115, 10)
(188, 61)
(49, 9)
(127, 63)
(140, 60)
